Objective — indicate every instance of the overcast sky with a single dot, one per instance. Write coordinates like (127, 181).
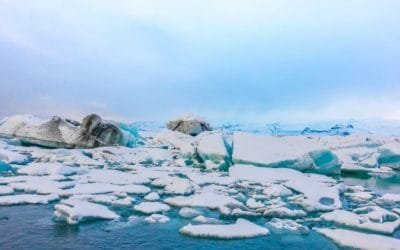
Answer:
(245, 60)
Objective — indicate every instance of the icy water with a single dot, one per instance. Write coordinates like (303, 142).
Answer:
(32, 227)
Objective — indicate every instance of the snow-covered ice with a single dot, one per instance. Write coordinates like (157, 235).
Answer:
(241, 229)
(151, 207)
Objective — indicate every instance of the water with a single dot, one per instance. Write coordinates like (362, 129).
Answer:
(32, 227)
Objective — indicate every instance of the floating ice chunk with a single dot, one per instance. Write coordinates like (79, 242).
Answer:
(357, 240)
(319, 192)
(359, 197)
(241, 229)
(284, 212)
(174, 185)
(114, 177)
(12, 157)
(189, 124)
(285, 226)
(102, 188)
(390, 155)
(389, 200)
(142, 155)
(210, 200)
(206, 220)
(153, 196)
(41, 185)
(74, 211)
(151, 207)
(253, 204)
(241, 212)
(277, 190)
(156, 218)
(350, 219)
(5, 190)
(376, 214)
(20, 199)
(210, 178)
(210, 146)
(187, 212)
(48, 169)
(297, 152)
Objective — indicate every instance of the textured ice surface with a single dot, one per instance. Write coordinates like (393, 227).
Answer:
(241, 229)
(156, 218)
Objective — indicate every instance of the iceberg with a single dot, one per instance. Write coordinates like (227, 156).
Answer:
(297, 152)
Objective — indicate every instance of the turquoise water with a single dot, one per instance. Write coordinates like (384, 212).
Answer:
(32, 227)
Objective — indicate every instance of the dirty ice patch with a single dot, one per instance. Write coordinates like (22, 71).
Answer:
(74, 211)
(241, 229)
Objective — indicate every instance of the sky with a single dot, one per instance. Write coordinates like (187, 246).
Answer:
(253, 60)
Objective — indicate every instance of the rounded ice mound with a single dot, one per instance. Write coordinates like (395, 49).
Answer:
(189, 124)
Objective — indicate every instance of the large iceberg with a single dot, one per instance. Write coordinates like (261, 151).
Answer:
(297, 152)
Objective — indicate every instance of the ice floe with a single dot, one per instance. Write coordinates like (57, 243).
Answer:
(241, 229)
(20, 199)
(358, 240)
(285, 226)
(151, 207)
(156, 218)
(371, 219)
(74, 211)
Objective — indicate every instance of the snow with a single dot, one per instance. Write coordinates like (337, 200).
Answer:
(253, 204)
(241, 229)
(285, 226)
(74, 211)
(277, 190)
(20, 199)
(156, 218)
(151, 207)
(357, 240)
